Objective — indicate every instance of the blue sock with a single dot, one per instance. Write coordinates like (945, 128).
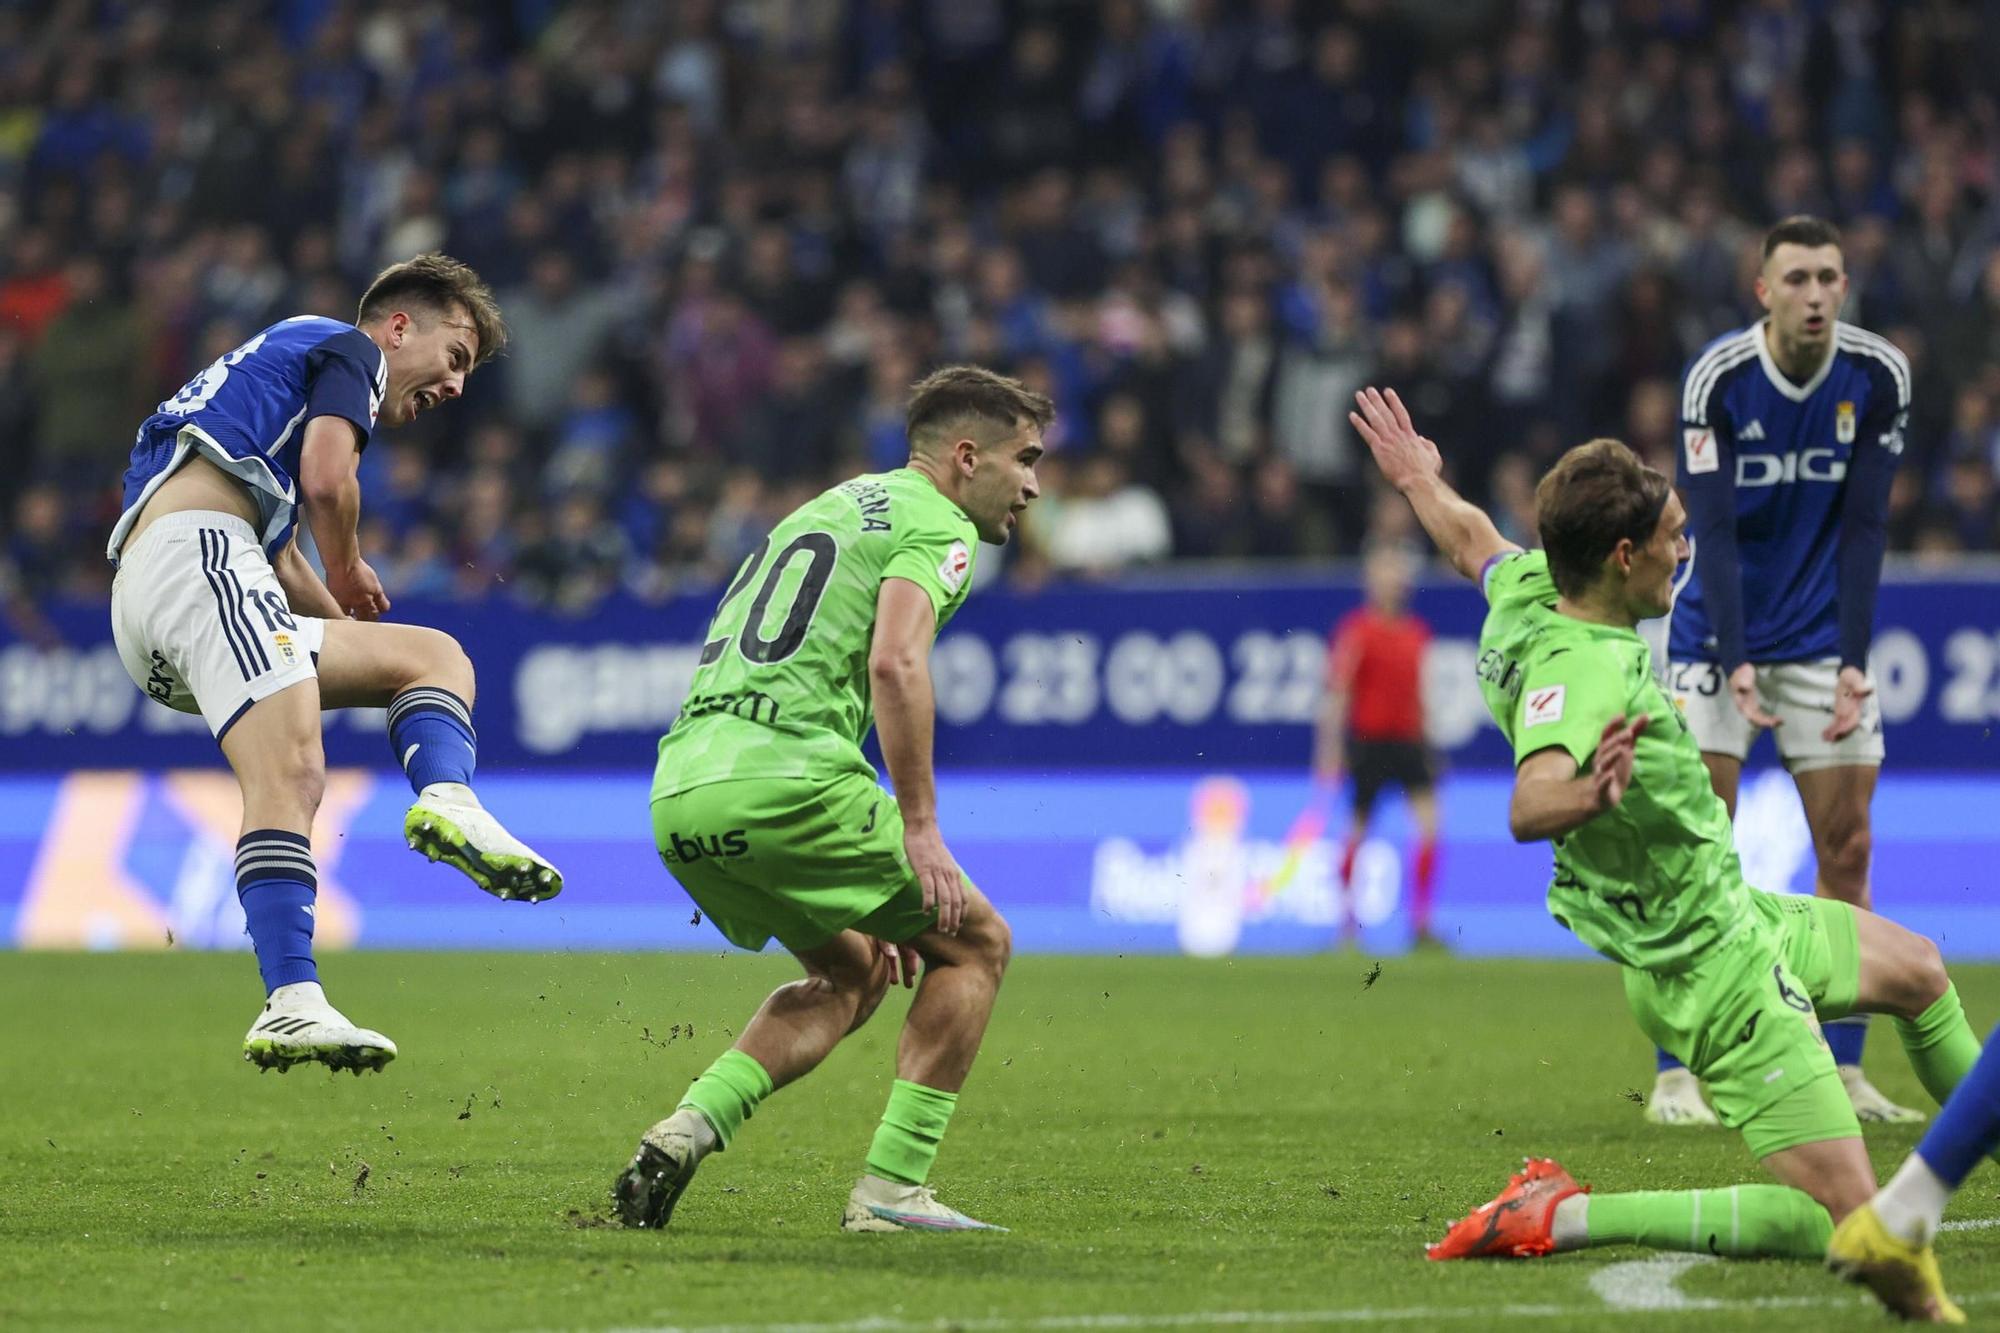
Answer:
(1967, 1127)
(430, 731)
(1844, 1037)
(276, 881)
(1665, 1061)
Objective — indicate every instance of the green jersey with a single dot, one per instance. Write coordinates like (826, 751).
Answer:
(1654, 881)
(782, 688)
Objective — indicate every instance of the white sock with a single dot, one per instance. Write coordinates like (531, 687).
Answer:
(298, 995)
(695, 1125)
(1912, 1204)
(1570, 1226)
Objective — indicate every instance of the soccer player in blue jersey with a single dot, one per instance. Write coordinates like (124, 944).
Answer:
(215, 610)
(1791, 429)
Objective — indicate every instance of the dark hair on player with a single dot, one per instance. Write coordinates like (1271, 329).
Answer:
(1801, 229)
(945, 401)
(440, 284)
(1597, 495)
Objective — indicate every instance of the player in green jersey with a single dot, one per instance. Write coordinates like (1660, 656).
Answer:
(1732, 980)
(766, 812)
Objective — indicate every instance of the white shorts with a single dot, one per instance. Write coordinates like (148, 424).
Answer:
(1798, 693)
(201, 623)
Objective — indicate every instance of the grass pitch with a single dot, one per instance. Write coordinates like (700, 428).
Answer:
(1263, 1142)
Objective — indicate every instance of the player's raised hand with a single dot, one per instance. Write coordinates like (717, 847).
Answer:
(1611, 769)
(943, 883)
(1384, 424)
(358, 590)
(1743, 689)
(1848, 693)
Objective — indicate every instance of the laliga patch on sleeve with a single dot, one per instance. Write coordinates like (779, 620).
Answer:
(1544, 705)
(957, 564)
(1700, 443)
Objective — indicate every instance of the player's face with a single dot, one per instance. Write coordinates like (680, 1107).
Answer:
(1650, 586)
(1803, 287)
(429, 357)
(1002, 484)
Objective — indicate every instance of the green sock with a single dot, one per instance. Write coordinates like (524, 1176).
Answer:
(1941, 1044)
(906, 1142)
(1739, 1222)
(728, 1093)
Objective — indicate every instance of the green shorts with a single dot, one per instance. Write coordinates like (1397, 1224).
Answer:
(791, 858)
(1745, 1019)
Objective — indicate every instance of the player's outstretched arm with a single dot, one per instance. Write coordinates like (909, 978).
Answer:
(899, 678)
(1413, 466)
(1551, 797)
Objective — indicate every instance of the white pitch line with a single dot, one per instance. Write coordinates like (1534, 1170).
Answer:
(1971, 1224)
(1648, 1284)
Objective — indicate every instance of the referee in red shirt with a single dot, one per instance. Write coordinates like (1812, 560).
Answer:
(1371, 724)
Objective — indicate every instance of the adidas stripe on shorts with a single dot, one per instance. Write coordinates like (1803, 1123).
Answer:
(200, 621)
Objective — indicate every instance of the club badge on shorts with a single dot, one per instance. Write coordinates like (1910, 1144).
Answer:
(1843, 423)
(285, 649)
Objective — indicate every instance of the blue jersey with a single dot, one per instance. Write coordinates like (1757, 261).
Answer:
(1787, 490)
(246, 414)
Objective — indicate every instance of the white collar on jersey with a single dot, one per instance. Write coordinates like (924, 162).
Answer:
(1782, 382)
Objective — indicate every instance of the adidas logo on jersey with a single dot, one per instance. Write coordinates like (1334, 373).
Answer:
(1753, 431)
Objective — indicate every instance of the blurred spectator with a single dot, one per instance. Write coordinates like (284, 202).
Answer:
(38, 544)
(794, 429)
(555, 327)
(35, 289)
(579, 559)
(83, 374)
(597, 436)
(1107, 521)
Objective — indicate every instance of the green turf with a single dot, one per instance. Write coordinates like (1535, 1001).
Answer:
(1168, 1138)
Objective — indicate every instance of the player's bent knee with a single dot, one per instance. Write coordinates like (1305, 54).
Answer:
(1927, 978)
(445, 663)
(1847, 854)
(1000, 948)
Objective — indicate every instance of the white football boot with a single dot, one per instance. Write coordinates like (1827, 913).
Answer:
(298, 1026)
(885, 1205)
(646, 1192)
(1677, 1100)
(1870, 1106)
(448, 824)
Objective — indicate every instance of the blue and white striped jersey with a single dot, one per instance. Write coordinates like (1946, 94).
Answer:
(247, 411)
(1787, 490)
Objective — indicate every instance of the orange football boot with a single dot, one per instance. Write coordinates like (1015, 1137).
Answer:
(1518, 1224)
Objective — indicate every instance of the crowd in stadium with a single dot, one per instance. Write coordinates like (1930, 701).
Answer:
(728, 234)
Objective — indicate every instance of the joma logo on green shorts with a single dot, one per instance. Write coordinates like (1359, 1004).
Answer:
(714, 846)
